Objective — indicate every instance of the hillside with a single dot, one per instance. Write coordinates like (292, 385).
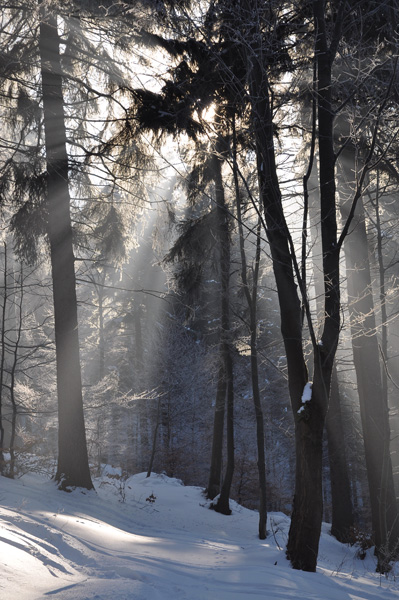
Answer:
(155, 539)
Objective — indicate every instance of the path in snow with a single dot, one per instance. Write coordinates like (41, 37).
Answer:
(93, 545)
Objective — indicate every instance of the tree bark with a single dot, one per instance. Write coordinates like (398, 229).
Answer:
(252, 301)
(2, 359)
(223, 233)
(303, 542)
(215, 472)
(374, 410)
(101, 333)
(155, 437)
(223, 505)
(342, 520)
(13, 370)
(73, 468)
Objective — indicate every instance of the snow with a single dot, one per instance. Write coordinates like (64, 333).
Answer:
(155, 539)
(307, 392)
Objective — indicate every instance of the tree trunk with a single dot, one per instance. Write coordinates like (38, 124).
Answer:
(252, 301)
(13, 371)
(260, 429)
(307, 513)
(226, 372)
(2, 359)
(342, 520)
(73, 468)
(215, 472)
(382, 287)
(154, 439)
(302, 548)
(374, 410)
(223, 505)
(101, 334)
(303, 542)
(138, 340)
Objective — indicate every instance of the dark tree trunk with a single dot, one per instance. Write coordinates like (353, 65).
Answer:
(223, 505)
(73, 468)
(299, 549)
(223, 233)
(252, 301)
(138, 340)
(101, 336)
(374, 410)
(260, 438)
(303, 542)
(155, 438)
(307, 513)
(260, 429)
(306, 517)
(215, 472)
(342, 520)
(302, 548)
(2, 359)
(13, 371)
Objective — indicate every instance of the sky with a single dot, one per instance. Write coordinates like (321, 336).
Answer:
(155, 539)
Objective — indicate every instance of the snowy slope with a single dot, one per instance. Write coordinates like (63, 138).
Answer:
(154, 539)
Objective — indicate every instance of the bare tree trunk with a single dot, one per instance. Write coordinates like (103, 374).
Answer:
(303, 542)
(215, 473)
(101, 336)
(342, 520)
(13, 374)
(252, 301)
(260, 429)
(223, 505)
(309, 468)
(138, 341)
(73, 467)
(225, 352)
(2, 359)
(154, 439)
(374, 410)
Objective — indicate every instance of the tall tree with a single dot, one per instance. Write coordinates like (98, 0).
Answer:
(226, 368)
(374, 409)
(309, 400)
(73, 466)
(252, 301)
(342, 517)
(3, 334)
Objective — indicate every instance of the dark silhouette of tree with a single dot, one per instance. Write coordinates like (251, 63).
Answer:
(342, 516)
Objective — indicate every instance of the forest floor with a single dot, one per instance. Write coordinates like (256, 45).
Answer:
(155, 539)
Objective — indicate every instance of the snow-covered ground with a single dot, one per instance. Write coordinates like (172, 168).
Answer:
(154, 539)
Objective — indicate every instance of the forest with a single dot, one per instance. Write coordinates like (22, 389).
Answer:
(199, 272)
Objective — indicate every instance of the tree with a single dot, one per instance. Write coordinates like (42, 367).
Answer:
(251, 297)
(373, 402)
(3, 354)
(34, 178)
(73, 467)
(366, 143)
(309, 401)
(342, 517)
